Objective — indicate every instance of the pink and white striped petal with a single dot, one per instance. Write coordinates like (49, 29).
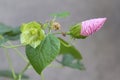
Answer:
(91, 26)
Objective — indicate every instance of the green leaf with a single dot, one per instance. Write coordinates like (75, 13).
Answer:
(69, 61)
(4, 28)
(9, 32)
(66, 48)
(41, 56)
(71, 56)
(2, 41)
(61, 15)
(14, 34)
(8, 74)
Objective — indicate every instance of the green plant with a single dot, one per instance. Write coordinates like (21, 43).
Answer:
(42, 45)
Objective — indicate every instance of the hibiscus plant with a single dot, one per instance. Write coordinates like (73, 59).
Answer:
(43, 46)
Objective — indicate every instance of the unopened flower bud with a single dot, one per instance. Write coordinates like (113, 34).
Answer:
(87, 28)
(56, 26)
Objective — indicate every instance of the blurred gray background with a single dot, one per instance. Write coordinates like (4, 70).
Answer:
(101, 51)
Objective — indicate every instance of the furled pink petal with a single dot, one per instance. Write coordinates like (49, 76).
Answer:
(91, 26)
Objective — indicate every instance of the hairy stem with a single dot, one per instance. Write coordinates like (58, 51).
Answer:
(67, 33)
(10, 63)
(21, 73)
(15, 46)
(42, 76)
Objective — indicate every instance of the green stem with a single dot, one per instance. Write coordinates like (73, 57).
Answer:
(18, 52)
(67, 33)
(58, 33)
(10, 63)
(15, 46)
(42, 76)
(21, 73)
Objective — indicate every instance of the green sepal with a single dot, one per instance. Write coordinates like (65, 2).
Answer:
(75, 31)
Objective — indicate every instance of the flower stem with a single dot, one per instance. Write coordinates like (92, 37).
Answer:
(10, 63)
(42, 76)
(15, 46)
(21, 73)
(67, 33)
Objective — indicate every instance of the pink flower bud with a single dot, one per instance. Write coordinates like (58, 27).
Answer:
(91, 26)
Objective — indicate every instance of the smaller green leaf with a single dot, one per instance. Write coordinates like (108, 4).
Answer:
(8, 74)
(66, 48)
(69, 61)
(4, 28)
(2, 40)
(61, 15)
(14, 34)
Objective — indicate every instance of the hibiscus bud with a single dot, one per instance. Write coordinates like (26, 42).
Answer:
(56, 26)
(32, 34)
(87, 28)
(91, 26)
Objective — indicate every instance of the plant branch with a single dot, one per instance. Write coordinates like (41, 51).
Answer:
(15, 46)
(42, 76)
(21, 73)
(10, 63)
(66, 33)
